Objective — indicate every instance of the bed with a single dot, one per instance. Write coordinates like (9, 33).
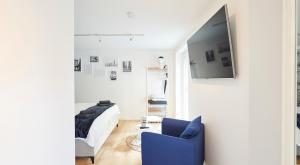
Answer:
(100, 129)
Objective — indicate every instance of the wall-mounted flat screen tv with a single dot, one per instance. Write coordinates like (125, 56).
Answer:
(210, 49)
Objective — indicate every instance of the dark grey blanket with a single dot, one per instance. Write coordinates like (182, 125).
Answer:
(85, 119)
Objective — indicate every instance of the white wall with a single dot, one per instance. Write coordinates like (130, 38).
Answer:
(36, 82)
(243, 115)
(265, 81)
(224, 103)
(129, 90)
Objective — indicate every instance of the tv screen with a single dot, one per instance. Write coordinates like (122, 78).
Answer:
(210, 50)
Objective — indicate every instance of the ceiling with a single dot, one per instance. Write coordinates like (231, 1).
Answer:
(164, 23)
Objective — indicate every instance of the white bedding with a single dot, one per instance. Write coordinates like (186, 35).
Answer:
(101, 127)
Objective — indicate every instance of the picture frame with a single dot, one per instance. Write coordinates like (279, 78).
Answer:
(77, 64)
(226, 61)
(210, 56)
(127, 66)
(112, 63)
(94, 59)
(113, 75)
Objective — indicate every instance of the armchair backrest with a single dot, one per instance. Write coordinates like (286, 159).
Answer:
(173, 127)
(199, 143)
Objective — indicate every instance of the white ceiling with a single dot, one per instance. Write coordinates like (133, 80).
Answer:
(164, 23)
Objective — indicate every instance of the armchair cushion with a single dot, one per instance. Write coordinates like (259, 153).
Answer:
(192, 129)
(173, 127)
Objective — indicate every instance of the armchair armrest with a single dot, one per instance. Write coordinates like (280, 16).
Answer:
(163, 149)
(173, 127)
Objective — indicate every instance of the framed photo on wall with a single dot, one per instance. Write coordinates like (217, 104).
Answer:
(94, 59)
(210, 56)
(226, 61)
(77, 64)
(127, 66)
(113, 75)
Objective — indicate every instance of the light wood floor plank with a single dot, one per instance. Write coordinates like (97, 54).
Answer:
(115, 150)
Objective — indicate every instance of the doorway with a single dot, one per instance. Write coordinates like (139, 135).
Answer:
(182, 84)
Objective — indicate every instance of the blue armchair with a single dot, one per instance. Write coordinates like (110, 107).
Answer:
(168, 149)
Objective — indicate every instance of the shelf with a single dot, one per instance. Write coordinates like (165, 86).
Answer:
(154, 69)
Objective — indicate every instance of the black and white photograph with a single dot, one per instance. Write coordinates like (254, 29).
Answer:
(226, 61)
(77, 65)
(94, 59)
(112, 63)
(113, 75)
(127, 66)
(210, 56)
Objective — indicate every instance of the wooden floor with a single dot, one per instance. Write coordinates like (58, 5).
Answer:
(115, 150)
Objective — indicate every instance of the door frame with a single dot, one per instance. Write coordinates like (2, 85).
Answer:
(289, 76)
(179, 55)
